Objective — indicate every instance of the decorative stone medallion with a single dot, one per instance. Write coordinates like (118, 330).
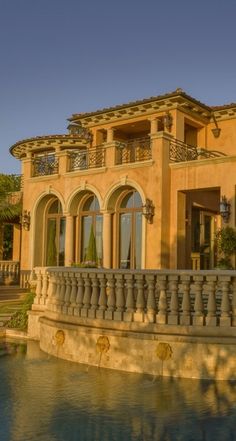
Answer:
(103, 344)
(60, 337)
(164, 351)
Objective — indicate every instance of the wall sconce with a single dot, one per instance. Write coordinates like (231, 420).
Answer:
(225, 209)
(25, 220)
(148, 210)
(168, 121)
(216, 132)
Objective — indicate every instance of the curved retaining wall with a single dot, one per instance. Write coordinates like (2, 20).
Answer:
(179, 353)
(171, 323)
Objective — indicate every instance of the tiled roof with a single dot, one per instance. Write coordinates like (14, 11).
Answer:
(177, 92)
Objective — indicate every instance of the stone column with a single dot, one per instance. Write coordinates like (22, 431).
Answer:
(154, 126)
(107, 218)
(69, 240)
(110, 134)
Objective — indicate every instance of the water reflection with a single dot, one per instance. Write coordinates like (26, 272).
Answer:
(46, 399)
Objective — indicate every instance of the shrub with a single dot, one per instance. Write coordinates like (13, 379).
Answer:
(19, 319)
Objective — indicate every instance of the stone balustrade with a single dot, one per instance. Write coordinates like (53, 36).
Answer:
(9, 272)
(166, 297)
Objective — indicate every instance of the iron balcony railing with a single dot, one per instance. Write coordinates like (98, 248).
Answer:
(181, 152)
(44, 165)
(135, 150)
(87, 158)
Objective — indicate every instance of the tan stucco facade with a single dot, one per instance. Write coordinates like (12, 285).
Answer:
(172, 150)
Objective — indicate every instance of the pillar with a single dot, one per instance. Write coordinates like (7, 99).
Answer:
(107, 219)
(69, 241)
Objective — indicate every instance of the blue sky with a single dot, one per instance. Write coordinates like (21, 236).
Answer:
(60, 57)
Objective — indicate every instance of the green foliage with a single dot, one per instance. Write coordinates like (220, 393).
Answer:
(7, 241)
(19, 320)
(51, 246)
(226, 246)
(91, 253)
(9, 210)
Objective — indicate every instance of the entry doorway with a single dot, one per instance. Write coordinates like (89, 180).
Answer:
(203, 239)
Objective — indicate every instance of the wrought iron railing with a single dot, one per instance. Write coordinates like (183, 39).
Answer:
(44, 165)
(135, 150)
(181, 152)
(87, 158)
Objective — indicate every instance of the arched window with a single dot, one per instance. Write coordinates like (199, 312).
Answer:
(55, 234)
(91, 230)
(130, 230)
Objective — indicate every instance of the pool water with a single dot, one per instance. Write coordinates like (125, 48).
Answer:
(47, 399)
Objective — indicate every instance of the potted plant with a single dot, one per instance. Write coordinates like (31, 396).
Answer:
(226, 247)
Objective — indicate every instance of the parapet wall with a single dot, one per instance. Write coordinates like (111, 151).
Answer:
(178, 324)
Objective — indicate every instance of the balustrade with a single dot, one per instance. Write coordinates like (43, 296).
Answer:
(9, 272)
(190, 298)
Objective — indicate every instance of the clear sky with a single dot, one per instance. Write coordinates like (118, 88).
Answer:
(60, 57)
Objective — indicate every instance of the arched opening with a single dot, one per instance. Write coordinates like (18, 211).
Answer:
(129, 228)
(89, 226)
(55, 228)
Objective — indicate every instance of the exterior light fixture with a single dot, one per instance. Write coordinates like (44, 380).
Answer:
(148, 210)
(25, 220)
(225, 209)
(216, 132)
(168, 121)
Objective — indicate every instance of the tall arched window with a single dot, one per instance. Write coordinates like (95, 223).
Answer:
(55, 234)
(91, 230)
(130, 230)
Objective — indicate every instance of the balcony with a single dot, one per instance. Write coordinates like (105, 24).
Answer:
(182, 152)
(135, 150)
(45, 164)
(87, 158)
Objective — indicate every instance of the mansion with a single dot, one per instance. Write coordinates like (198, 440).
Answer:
(149, 182)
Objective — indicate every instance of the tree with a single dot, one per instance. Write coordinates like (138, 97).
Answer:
(91, 253)
(226, 247)
(10, 203)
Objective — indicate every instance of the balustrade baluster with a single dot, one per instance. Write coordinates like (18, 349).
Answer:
(225, 317)
(52, 287)
(211, 319)
(173, 316)
(62, 291)
(44, 288)
(129, 305)
(233, 301)
(73, 293)
(185, 316)
(66, 305)
(140, 301)
(100, 313)
(120, 297)
(199, 317)
(56, 293)
(151, 301)
(95, 295)
(87, 295)
(111, 297)
(80, 294)
(38, 291)
(161, 316)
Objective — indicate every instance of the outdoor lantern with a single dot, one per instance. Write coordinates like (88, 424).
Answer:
(148, 210)
(168, 120)
(225, 209)
(25, 220)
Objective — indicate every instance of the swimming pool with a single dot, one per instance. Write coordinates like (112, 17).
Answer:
(43, 398)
